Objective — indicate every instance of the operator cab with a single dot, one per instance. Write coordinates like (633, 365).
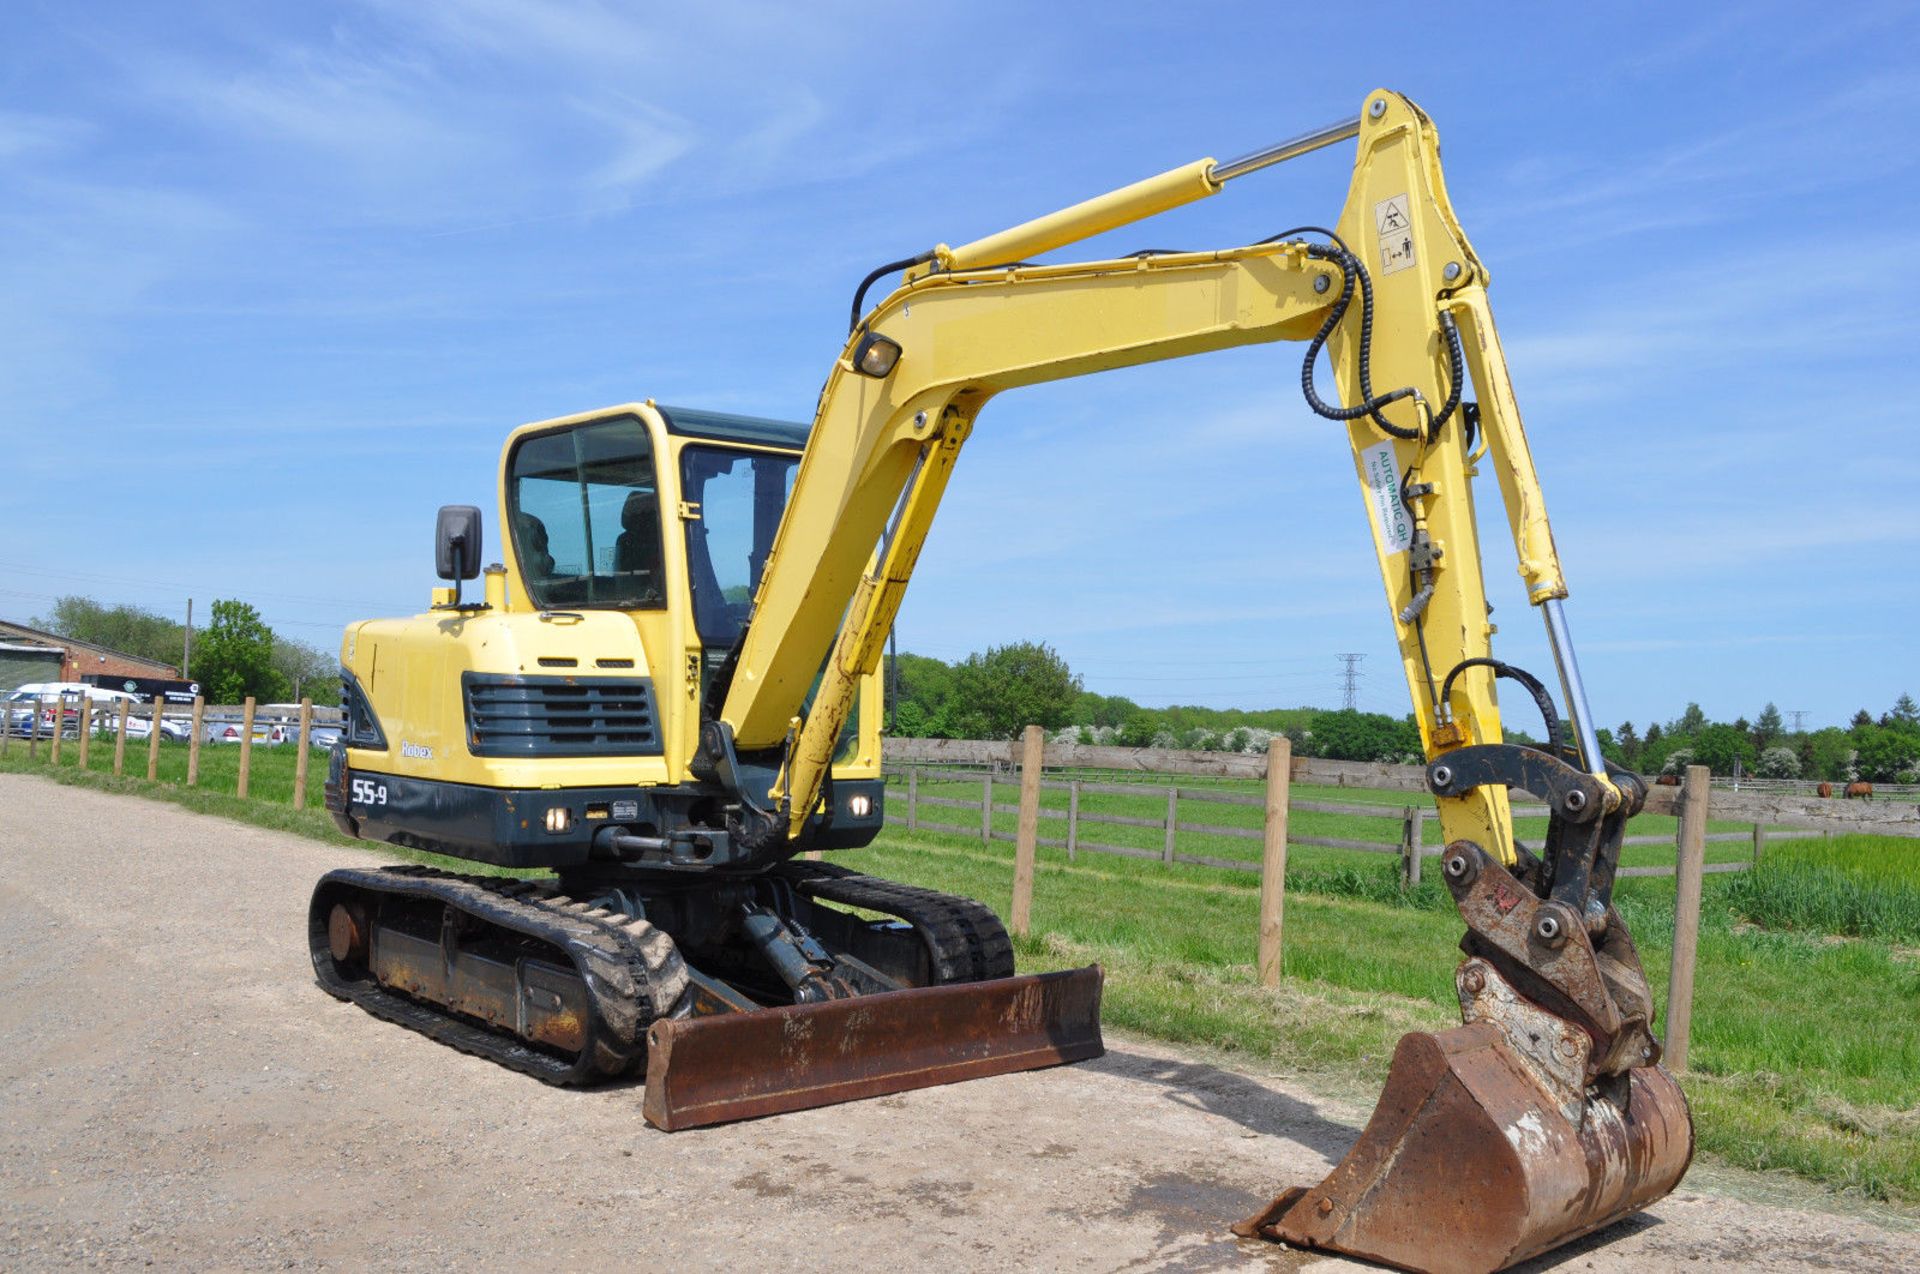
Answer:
(585, 505)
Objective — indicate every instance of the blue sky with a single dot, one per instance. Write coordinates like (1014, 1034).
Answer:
(278, 278)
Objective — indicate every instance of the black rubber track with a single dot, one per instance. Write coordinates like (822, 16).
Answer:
(632, 970)
(965, 939)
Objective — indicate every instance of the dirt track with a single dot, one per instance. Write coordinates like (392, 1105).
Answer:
(174, 1090)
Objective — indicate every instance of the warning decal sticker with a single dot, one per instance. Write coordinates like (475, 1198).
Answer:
(1394, 226)
(1383, 492)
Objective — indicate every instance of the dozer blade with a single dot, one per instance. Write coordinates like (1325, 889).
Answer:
(1468, 1165)
(708, 1070)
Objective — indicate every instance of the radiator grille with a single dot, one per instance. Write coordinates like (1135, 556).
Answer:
(560, 716)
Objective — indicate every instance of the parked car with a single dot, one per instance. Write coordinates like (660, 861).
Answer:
(171, 728)
(266, 734)
(320, 734)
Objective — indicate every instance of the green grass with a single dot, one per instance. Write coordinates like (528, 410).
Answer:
(1806, 1041)
(1858, 886)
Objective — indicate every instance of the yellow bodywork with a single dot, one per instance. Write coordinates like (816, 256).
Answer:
(410, 668)
(882, 449)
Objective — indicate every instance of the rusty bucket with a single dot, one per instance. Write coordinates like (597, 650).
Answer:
(1470, 1164)
(708, 1070)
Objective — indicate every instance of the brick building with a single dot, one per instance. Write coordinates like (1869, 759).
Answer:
(28, 654)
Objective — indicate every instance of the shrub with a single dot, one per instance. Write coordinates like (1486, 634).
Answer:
(1778, 763)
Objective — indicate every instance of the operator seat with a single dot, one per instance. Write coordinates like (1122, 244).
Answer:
(636, 552)
(535, 561)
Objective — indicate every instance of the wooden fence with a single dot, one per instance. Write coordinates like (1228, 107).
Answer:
(88, 718)
(1404, 825)
(1025, 764)
(1810, 787)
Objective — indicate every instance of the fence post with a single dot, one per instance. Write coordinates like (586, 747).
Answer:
(1073, 819)
(1033, 747)
(913, 798)
(120, 739)
(1273, 858)
(86, 729)
(59, 724)
(1173, 817)
(1419, 840)
(153, 737)
(1406, 846)
(986, 808)
(1692, 850)
(193, 744)
(300, 762)
(1759, 841)
(6, 729)
(246, 745)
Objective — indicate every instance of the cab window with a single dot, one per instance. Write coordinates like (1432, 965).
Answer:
(741, 496)
(584, 505)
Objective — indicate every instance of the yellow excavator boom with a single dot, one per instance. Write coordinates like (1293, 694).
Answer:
(882, 448)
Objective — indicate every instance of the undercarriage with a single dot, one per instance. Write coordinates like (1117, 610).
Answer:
(717, 987)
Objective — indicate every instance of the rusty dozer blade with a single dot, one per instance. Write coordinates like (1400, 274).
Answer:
(708, 1070)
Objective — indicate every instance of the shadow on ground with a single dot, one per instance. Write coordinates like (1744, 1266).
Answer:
(1246, 1102)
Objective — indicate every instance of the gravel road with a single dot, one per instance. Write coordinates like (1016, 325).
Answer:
(175, 1091)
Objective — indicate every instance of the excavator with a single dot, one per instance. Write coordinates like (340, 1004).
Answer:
(665, 705)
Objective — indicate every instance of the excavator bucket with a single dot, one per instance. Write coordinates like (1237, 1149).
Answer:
(1470, 1164)
(708, 1070)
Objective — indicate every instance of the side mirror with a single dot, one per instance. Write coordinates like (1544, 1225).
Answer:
(456, 542)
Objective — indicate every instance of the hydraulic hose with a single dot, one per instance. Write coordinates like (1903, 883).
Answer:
(1548, 713)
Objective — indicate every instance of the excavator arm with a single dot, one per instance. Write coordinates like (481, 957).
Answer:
(965, 325)
(1545, 1115)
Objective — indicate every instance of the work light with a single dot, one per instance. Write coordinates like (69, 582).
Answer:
(875, 355)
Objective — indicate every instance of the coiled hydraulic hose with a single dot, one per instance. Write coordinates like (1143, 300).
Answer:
(1548, 713)
(1351, 271)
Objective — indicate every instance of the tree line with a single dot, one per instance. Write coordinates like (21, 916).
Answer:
(235, 656)
(1883, 749)
(997, 693)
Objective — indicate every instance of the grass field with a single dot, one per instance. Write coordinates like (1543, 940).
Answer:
(1806, 1036)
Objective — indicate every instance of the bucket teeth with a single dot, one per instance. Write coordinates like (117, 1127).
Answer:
(1468, 1164)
